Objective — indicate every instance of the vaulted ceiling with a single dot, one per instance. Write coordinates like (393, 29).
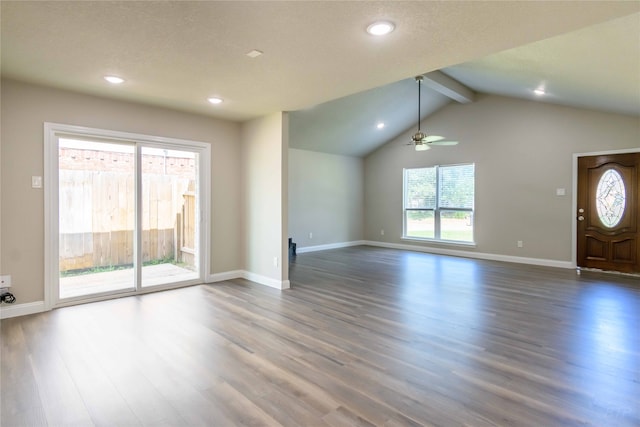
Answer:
(176, 54)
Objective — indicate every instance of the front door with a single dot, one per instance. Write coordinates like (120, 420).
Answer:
(608, 221)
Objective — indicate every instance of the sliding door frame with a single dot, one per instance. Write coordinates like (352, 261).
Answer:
(52, 132)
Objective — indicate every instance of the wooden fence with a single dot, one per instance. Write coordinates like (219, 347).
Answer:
(97, 215)
(186, 229)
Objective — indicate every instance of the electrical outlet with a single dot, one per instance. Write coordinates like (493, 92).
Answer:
(275, 261)
(311, 235)
(5, 281)
(382, 232)
(520, 243)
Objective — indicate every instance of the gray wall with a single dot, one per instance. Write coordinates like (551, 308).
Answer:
(24, 110)
(523, 152)
(325, 198)
(264, 209)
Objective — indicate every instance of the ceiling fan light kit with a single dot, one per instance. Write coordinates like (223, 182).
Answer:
(421, 140)
(420, 146)
(418, 137)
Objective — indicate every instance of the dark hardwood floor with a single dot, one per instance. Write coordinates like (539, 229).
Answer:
(366, 336)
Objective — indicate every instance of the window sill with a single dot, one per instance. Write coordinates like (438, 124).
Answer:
(440, 242)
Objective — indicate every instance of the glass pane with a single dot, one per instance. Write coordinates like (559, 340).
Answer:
(420, 224)
(420, 188)
(456, 186)
(610, 198)
(169, 216)
(456, 225)
(96, 217)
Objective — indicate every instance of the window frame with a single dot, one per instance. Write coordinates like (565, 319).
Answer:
(437, 210)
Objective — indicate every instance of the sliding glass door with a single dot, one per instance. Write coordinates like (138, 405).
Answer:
(170, 226)
(126, 215)
(96, 185)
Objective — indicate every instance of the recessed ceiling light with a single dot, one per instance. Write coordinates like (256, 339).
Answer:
(380, 28)
(215, 100)
(539, 92)
(114, 79)
(380, 125)
(254, 53)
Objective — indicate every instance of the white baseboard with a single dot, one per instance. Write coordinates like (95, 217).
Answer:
(469, 254)
(330, 246)
(242, 274)
(14, 310)
(227, 275)
(267, 281)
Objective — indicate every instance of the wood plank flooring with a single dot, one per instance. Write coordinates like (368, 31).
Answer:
(365, 337)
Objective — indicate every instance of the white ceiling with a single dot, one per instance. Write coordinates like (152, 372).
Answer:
(176, 54)
(347, 126)
(597, 68)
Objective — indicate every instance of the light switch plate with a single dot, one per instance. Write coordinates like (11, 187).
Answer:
(36, 182)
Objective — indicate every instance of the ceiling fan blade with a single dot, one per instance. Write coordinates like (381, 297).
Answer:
(443, 143)
(432, 138)
(422, 147)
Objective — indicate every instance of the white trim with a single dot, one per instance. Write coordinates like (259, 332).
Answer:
(478, 255)
(15, 310)
(227, 275)
(242, 274)
(330, 246)
(440, 242)
(267, 281)
(612, 272)
(574, 197)
(50, 206)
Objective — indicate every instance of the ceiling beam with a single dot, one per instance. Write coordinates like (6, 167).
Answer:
(449, 87)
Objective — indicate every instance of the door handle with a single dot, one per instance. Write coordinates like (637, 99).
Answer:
(580, 218)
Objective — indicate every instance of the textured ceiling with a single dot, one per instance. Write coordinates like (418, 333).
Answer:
(348, 126)
(597, 68)
(178, 53)
(319, 63)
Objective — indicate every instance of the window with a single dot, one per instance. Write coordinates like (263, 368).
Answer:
(438, 203)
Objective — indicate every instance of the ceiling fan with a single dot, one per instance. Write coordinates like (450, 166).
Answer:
(421, 140)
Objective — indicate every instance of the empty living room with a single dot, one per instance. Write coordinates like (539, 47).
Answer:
(327, 213)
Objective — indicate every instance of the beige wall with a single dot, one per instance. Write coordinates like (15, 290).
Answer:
(523, 152)
(325, 198)
(24, 110)
(264, 180)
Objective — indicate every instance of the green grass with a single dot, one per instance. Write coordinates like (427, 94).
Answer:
(107, 268)
(94, 270)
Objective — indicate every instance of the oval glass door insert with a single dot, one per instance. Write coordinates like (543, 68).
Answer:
(610, 198)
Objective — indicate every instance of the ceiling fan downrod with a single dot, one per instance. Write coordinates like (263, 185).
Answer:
(419, 136)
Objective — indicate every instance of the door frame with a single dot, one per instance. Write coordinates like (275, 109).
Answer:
(52, 131)
(574, 197)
